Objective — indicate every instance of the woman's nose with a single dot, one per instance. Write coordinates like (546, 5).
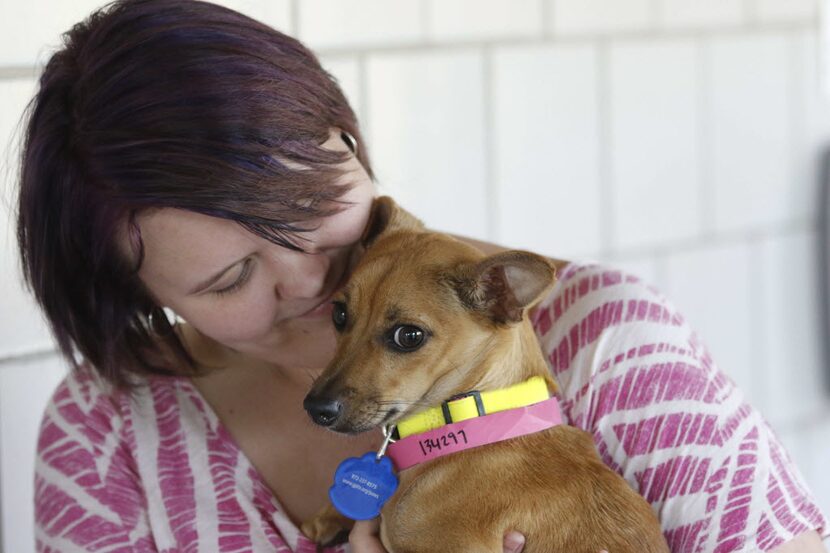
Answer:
(303, 276)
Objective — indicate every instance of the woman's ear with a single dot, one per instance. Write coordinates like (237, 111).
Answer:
(386, 217)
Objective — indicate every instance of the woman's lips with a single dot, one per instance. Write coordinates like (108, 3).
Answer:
(324, 309)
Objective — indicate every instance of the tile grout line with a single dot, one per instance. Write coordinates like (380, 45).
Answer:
(295, 17)
(657, 13)
(549, 23)
(749, 14)
(706, 188)
(426, 19)
(757, 332)
(490, 150)
(796, 93)
(428, 44)
(15, 72)
(605, 170)
(27, 356)
(725, 238)
(363, 90)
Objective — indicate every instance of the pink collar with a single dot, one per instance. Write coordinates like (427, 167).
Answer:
(475, 432)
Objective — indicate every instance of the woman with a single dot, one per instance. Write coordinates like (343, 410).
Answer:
(180, 157)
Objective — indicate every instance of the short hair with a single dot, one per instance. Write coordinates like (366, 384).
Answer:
(162, 103)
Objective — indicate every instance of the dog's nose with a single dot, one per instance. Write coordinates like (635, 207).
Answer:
(323, 411)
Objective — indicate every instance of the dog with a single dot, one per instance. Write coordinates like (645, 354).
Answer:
(423, 319)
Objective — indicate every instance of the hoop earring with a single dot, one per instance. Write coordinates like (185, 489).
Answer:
(171, 317)
(350, 141)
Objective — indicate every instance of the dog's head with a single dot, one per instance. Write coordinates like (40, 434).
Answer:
(423, 316)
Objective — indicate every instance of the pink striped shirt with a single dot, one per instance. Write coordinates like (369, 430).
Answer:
(159, 473)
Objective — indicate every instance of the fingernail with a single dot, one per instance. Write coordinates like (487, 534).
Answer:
(513, 542)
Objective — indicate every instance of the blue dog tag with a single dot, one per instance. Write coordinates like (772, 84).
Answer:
(362, 485)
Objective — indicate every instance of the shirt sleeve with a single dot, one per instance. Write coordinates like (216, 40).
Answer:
(87, 493)
(664, 416)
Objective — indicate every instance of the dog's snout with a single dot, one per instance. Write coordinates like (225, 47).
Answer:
(323, 411)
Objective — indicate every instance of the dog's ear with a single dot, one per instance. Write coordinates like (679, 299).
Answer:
(387, 216)
(504, 284)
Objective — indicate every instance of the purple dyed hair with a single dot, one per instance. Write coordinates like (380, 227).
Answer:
(162, 103)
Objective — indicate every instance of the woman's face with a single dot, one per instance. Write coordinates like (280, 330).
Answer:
(249, 294)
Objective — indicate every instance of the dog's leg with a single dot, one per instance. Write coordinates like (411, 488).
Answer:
(327, 527)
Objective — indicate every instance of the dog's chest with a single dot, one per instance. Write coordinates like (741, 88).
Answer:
(453, 486)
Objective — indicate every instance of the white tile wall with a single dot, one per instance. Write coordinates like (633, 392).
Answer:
(648, 268)
(811, 111)
(546, 149)
(360, 23)
(750, 124)
(276, 13)
(21, 327)
(654, 139)
(482, 19)
(750, 130)
(31, 30)
(426, 129)
(785, 11)
(679, 137)
(346, 69)
(790, 345)
(569, 17)
(713, 287)
(809, 447)
(694, 14)
(25, 387)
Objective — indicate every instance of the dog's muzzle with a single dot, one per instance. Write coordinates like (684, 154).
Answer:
(322, 410)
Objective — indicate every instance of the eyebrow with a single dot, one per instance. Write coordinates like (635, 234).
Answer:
(211, 280)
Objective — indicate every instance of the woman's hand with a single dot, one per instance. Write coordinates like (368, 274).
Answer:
(364, 538)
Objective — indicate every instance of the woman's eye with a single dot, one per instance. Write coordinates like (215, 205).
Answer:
(338, 315)
(408, 337)
(240, 281)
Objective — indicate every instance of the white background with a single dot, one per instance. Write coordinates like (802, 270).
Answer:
(677, 138)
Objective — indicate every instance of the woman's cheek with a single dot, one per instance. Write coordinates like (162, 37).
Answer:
(247, 314)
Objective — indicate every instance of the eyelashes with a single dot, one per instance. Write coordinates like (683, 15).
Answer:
(243, 278)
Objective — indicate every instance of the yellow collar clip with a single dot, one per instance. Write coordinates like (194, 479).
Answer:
(475, 404)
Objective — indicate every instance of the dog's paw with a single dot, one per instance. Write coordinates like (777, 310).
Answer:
(328, 527)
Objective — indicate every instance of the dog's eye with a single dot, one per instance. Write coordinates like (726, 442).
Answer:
(338, 315)
(407, 337)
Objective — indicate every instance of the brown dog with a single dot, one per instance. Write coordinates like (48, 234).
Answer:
(423, 318)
